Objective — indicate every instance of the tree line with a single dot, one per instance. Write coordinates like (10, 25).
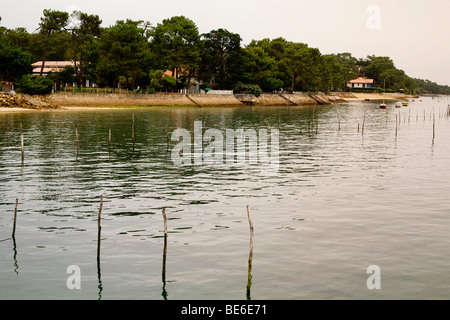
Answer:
(136, 55)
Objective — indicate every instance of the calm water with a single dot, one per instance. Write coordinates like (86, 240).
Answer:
(342, 200)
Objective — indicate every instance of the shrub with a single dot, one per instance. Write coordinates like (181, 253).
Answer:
(248, 88)
(273, 84)
(168, 82)
(35, 85)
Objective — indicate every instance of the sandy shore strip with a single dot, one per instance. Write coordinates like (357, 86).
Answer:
(379, 96)
(3, 109)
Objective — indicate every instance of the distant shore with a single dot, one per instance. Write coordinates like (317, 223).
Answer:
(63, 102)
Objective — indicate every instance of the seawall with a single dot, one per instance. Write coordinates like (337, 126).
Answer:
(175, 99)
(114, 100)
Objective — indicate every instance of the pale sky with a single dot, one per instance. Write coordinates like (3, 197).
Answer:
(415, 33)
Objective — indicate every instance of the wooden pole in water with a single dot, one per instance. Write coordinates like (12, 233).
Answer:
(396, 126)
(167, 139)
(165, 247)
(364, 121)
(77, 142)
(132, 131)
(15, 218)
(250, 255)
(338, 119)
(434, 128)
(100, 213)
(99, 227)
(76, 133)
(21, 142)
(110, 137)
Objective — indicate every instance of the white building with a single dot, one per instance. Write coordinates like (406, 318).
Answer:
(55, 66)
(361, 83)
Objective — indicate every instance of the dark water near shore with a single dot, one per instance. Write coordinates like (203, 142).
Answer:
(342, 200)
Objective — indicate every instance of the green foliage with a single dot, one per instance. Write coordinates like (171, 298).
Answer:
(248, 89)
(429, 87)
(159, 81)
(222, 58)
(337, 70)
(14, 62)
(175, 45)
(66, 75)
(51, 22)
(84, 45)
(259, 66)
(35, 85)
(123, 51)
(376, 68)
(273, 84)
(168, 82)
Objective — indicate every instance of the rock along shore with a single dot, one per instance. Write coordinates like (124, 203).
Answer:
(24, 101)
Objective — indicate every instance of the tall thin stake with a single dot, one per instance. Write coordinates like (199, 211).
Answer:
(250, 256)
(132, 131)
(364, 121)
(15, 219)
(76, 133)
(396, 126)
(167, 139)
(165, 247)
(99, 273)
(77, 141)
(21, 142)
(434, 128)
(99, 228)
(339, 120)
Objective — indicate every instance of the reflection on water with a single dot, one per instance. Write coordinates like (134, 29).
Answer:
(342, 200)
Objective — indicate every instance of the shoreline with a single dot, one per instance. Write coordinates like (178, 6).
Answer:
(80, 102)
(380, 96)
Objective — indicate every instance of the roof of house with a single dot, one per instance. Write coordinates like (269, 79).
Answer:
(47, 70)
(361, 80)
(53, 64)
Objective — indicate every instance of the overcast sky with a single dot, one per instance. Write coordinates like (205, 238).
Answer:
(415, 33)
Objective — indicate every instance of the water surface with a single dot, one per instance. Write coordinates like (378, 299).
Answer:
(347, 196)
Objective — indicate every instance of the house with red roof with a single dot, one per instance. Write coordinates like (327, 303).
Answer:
(361, 83)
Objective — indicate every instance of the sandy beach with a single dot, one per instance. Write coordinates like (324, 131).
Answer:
(379, 96)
